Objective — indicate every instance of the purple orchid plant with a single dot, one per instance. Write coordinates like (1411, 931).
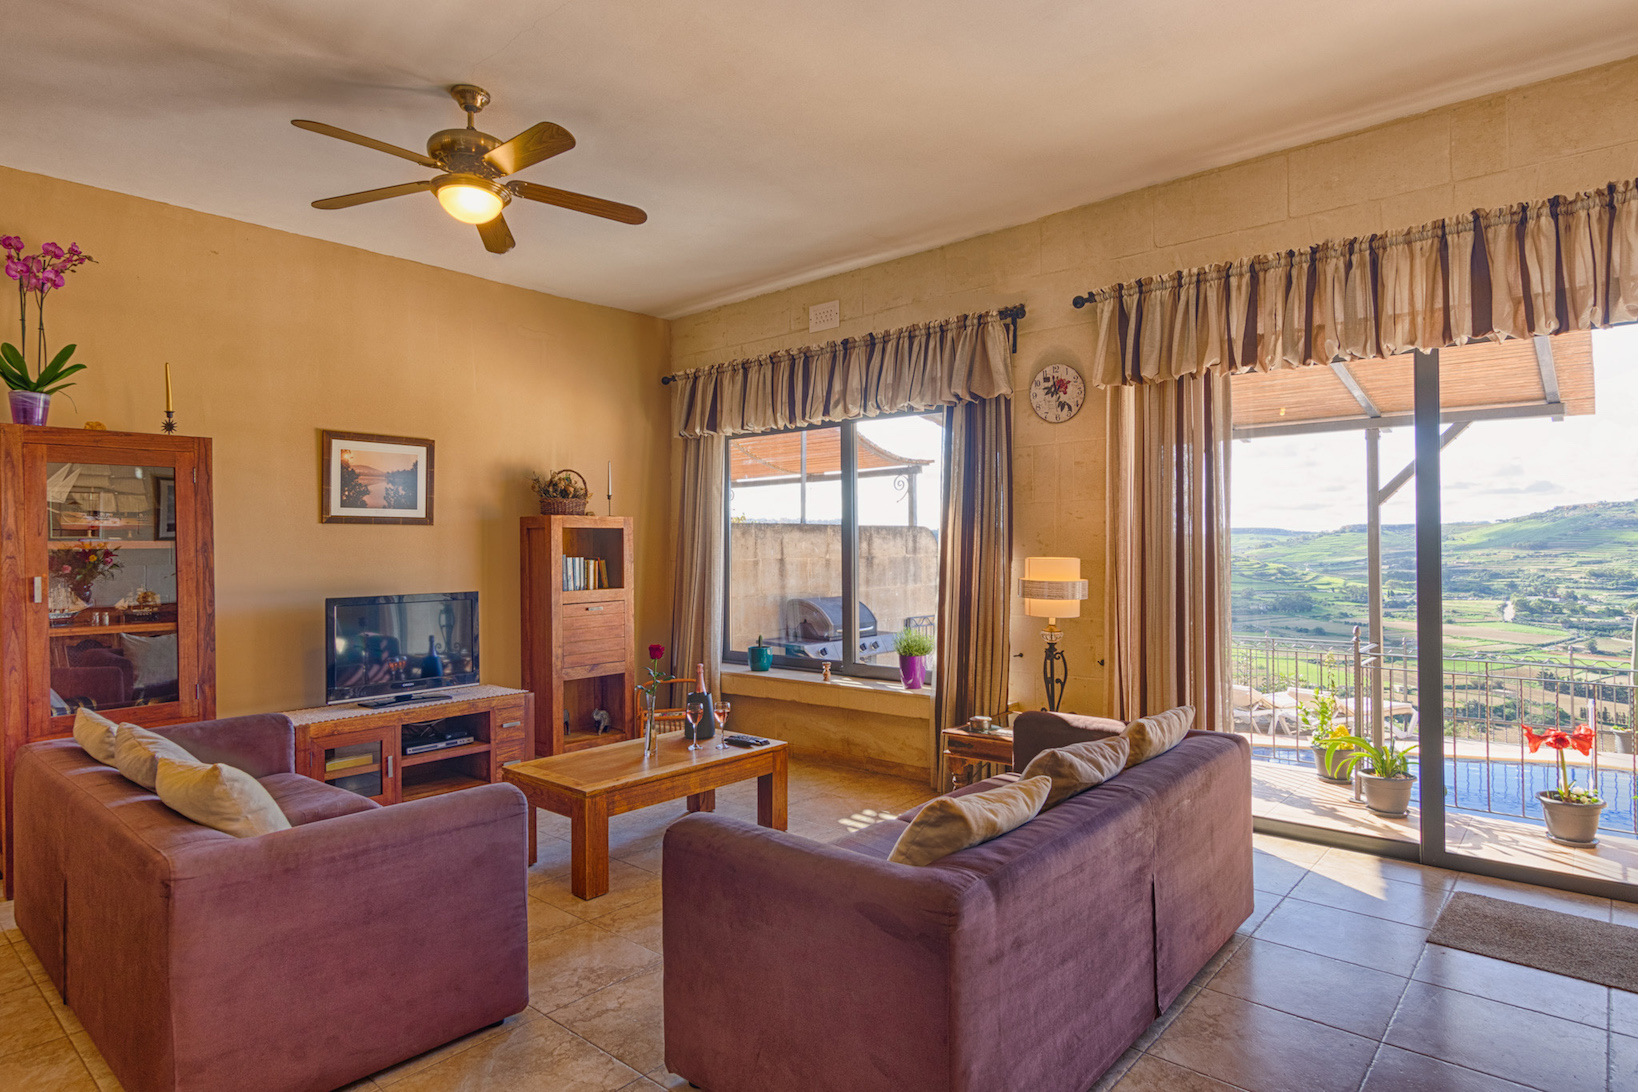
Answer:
(37, 275)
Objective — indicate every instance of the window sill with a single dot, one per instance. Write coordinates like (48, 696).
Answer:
(842, 692)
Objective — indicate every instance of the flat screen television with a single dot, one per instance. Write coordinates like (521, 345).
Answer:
(397, 647)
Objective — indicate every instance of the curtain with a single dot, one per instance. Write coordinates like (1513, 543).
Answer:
(697, 589)
(1540, 267)
(975, 563)
(1167, 541)
(918, 367)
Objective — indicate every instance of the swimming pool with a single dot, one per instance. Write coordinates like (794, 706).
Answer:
(1509, 793)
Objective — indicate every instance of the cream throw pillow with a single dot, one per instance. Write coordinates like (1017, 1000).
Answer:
(956, 822)
(1078, 767)
(95, 733)
(219, 796)
(1158, 734)
(137, 752)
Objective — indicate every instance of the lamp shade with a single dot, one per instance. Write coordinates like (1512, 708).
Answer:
(470, 199)
(1052, 587)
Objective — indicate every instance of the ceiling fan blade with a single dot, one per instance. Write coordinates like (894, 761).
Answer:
(579, 202)
(364, 197)
(497, 237)
(529, 147)
(368, 142)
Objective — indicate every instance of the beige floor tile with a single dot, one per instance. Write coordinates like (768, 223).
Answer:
(1275, 875)
(539, 1056)
(1314, 987)
(1112, 1076)
(1525, 987)
(26, 1021)
(1398, 1070)
(566, 966)
(640, 923)
(1289, 849)
(13, 975)
(1255, 1047)
(8, 918)
(1263, 904)
(1374, 896)
(627, 885)
(667, 1079)
(1345, 864)
(1623, 1062)
(1341, 934)
(49, 1067)
(1151, 1074)
(391, 1076)
(624, 1020)
(94, 1063)
(546, 919)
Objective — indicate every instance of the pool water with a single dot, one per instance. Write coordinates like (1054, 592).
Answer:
(1468, 779)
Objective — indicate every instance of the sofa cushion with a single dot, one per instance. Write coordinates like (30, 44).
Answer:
(220, 797)
(1079, 767)
(952, 823)
(95, 733)
(137, 752)
(1154, 735)
(965, 790)
(304, 800)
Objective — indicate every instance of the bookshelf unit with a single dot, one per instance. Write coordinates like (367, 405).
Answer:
(578, 655)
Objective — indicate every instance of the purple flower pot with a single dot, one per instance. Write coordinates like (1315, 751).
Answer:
(913, 670)
(29, 408)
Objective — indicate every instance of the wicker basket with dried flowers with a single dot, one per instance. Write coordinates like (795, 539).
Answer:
(562, 493)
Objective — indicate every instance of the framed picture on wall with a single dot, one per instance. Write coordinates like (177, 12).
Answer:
(375, 479)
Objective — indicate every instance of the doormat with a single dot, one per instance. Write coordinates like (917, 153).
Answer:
(1594, 951)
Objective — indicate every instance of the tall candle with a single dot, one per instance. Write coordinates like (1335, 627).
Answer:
(611, 479)
(168, 406)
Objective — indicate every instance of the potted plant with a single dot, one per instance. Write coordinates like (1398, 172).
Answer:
(1387, 780)
(1323, 719)
(760, 655)
(913, 647)
(561, 493)
(1572, 812)
(36, 275)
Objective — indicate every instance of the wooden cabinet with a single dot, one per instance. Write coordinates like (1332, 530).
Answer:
(106, 583)
(578, 630)
(373, 752)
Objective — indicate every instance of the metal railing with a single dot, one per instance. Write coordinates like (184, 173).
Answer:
(1486, 702)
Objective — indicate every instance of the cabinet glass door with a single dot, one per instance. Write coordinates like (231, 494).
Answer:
(115, 591)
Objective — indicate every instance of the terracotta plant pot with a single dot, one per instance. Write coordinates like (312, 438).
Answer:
(1388, 796)
(761, 657)
(1332, 771)
(1570, 824)
(913, 671)
(29, 408)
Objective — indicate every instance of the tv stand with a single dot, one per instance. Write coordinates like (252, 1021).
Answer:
(401, 699)
(361, 749)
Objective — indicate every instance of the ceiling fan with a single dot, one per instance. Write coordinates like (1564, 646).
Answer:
(472, 163)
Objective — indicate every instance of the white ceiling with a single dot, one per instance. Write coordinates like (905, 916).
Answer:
(770, 142)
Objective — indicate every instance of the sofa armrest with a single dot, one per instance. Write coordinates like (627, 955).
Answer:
(1038, 730)
(259, 744)
(838, 961)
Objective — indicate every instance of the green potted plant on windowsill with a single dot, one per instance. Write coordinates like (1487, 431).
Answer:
(1387, 778)
(760, 655)
(1323, 720)
(1572, 813)
(913, 647)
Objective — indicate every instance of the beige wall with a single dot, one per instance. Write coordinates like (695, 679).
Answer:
(1559, 136)
(273, 337)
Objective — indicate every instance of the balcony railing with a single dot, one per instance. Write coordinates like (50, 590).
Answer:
(1485, 704)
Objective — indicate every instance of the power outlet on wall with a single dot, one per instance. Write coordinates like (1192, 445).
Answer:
(825, 316)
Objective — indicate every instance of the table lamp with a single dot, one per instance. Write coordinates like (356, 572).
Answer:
(1052, 588)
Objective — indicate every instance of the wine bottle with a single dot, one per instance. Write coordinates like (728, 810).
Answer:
(702, 693)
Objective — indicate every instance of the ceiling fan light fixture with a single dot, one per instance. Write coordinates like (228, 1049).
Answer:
(471, 198)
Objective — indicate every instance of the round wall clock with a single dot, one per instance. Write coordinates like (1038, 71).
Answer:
(1057, 392)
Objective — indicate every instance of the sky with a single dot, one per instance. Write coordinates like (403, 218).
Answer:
(1494, 470)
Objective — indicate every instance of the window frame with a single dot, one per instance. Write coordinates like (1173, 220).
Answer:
(849, 664)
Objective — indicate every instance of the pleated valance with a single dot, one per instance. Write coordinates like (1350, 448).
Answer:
(1541, 267)
(920, 367)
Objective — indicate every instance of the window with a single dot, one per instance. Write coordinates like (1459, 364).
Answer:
(823, 517)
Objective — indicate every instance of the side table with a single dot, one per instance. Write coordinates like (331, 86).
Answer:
(965, 749)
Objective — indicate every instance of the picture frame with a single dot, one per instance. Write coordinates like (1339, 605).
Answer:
(165, 515)
(369, 478)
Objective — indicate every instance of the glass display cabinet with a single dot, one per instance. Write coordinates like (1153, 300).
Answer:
(106, 582)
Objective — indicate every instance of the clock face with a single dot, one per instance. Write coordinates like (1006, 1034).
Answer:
(1057, 392)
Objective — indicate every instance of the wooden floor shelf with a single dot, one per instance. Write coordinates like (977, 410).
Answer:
(417, 789)
(448, 752)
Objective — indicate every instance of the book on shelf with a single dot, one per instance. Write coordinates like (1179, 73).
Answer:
(585, 574)
(347, 762)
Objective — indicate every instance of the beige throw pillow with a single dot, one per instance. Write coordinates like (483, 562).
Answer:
(956, 822)
(95, 733)
(137, 752)
(1158, 734)
(220, 797)
(1078, 767)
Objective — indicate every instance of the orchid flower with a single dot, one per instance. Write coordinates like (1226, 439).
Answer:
(37, 275)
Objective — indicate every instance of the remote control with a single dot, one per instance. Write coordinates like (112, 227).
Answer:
(744, 741)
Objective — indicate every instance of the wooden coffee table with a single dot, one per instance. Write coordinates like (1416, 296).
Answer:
(591, 785)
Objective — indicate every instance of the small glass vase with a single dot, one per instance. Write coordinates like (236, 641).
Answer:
(651, 725)
(29, 407)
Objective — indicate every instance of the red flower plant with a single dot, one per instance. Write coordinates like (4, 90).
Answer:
(656, 677)
(1582, 739)
(656, 652)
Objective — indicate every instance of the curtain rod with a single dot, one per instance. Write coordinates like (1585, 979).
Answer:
(1009, 316)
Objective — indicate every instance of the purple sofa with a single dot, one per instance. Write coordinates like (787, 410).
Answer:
(298, 961)
(1027, 964)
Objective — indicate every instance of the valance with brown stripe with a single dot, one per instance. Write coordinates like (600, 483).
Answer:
(1541, 267)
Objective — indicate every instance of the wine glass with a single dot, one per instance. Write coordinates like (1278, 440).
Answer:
(719, 714)
(693, 713)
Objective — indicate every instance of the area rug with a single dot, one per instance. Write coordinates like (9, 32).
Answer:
(1594, 951)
